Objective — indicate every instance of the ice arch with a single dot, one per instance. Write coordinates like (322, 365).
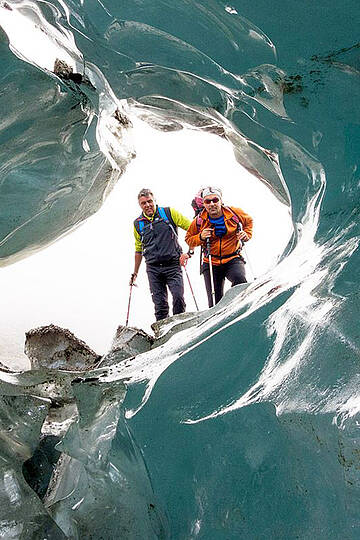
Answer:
(257, 405)
(86, 156)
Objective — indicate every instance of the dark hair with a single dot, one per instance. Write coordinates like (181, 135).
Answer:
(145, 192)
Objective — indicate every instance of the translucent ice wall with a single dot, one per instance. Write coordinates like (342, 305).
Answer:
(246, 424)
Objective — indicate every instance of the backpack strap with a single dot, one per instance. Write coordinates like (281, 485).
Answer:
(234, 217)
(139, 224)
(237, 220)
(162, 214)
(199, 222)
(165, 214)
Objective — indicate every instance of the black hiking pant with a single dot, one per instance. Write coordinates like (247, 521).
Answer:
(160, 277)
(233, 270)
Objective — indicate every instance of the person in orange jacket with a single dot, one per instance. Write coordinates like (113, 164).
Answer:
(226, 228)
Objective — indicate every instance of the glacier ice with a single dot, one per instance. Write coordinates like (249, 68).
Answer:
(243, 421)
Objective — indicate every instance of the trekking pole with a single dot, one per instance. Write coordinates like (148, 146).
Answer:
(248, 260)
(128, 311)
(239, 228)
(211, 270)
(192, 292)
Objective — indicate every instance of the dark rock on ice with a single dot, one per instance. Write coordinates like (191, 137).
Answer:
(57, 348)
(66, 72)
(122, 118)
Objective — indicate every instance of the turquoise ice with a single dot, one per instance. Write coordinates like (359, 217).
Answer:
(246, 423)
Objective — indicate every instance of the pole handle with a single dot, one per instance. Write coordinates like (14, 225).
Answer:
(208, 247)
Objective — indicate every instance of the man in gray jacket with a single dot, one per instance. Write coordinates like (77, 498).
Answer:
(156, 239)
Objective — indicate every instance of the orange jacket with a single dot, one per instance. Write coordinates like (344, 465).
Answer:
(227, 244)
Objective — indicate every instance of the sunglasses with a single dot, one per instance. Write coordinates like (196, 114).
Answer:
(214, 200)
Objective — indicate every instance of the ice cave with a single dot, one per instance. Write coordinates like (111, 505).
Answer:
(235, 422)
